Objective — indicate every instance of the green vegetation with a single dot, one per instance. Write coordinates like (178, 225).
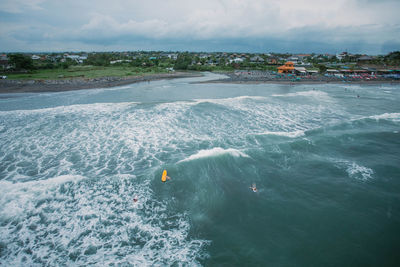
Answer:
(183, 61)
(21, 61)
(322, 68)
(86, 72)
(120, 64)
(393, 58)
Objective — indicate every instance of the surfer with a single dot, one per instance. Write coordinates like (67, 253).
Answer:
(164, 176)
(253, 187)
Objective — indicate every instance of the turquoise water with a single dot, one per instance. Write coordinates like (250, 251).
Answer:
(325, 162)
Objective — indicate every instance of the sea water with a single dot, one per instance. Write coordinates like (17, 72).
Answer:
(325, 159)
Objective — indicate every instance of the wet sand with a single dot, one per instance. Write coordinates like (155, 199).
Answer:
(318, 79)
(36, 86)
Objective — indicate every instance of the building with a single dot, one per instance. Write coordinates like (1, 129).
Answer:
(294, 59)
(4, 62)
(287, 68)
(300, 70)
(173, 56)
(303, 56)
(256, 59)
(272, 60)
(236, 60)
(365, 59)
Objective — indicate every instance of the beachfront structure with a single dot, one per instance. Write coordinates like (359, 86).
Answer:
(287, 68)
(300, 70)
(256, 59)
(236, 60)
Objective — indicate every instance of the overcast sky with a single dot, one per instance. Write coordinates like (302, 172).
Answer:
(356, 26)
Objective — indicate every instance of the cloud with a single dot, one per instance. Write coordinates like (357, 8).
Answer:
(284, 24)
(20, 6)
(108, 26)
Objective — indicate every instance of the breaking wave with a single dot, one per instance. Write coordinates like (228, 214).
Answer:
(215, 152)
(286, 134)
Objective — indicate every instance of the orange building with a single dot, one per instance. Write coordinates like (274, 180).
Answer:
(287, 68)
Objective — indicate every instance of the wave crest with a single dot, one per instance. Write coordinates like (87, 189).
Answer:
(387, 116)
(293, 134)
(215, 152)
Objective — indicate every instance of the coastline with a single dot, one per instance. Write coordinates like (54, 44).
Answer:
(270, 79)
(40, 86)
(228, 81)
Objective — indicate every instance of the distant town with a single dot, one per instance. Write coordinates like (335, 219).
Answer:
(30, 65)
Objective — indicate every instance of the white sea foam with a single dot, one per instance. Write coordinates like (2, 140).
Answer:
(110, 144)
(311, 93)
(293, 134)
(215, 152)
(19, 198)
(226, 101)
(387, 116)
(355, 170)
(78, 108)
(359, 172)
(259, 113)
(101, 137)
(91, 222)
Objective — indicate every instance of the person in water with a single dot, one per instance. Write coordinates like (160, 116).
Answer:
(166, 178)
(135, 199)
(253, 187)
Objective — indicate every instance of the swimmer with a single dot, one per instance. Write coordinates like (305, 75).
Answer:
(135, 199)
(253, 187)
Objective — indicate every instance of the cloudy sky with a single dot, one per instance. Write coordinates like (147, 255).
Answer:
(356, 26)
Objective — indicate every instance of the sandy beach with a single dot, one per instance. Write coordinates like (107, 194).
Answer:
(264, 77)
(36, 86)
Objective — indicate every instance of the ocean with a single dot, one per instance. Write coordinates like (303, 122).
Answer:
(325, 159)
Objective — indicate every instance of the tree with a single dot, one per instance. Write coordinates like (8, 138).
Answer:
(21, 62)
(322, 68)
(183, 61)
(99, 59)
(393, 58)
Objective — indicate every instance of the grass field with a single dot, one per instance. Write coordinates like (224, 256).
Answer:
(87, 72)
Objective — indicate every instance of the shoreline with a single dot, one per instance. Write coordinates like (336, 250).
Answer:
(271, 79)
(228, 81)
(41, 86)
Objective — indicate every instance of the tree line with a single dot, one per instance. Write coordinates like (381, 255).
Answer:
(184, 61)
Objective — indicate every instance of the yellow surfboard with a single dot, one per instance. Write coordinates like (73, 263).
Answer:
(164, 176)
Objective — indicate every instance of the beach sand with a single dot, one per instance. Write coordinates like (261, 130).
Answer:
(36, 86)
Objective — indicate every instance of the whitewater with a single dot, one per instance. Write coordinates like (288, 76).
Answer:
(325, 162)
